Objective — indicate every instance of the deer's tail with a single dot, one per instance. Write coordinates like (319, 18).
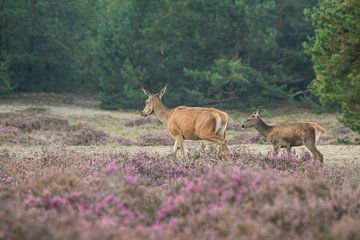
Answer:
(317, 127)
(318, 130)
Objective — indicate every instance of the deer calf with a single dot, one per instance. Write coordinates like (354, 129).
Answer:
(287, 135)
(188, 123)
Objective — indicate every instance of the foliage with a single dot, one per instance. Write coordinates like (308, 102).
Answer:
(207, 51)
(47, 44)
(5, 86)
(232, 80)
(335, 55)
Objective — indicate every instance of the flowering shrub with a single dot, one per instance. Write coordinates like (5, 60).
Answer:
(38, 130)
(29, 123)
(156, 138)
(248, 138)
(9, 129)
(234, 126)
(141, 121)
(124, 141)
(85, 135)
(151, 196)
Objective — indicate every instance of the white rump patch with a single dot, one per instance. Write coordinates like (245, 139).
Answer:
(222, 130)
(218, 124)
(317, 135)
(220, 127)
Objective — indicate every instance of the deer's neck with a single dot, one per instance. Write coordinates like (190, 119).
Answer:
(161, 112)
(263, 128)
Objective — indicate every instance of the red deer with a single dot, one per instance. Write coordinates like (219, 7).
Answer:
(188, 123)
(287, 135)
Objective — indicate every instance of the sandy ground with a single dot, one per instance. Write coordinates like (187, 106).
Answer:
(333, 154)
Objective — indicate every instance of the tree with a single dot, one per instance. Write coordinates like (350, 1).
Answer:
(335, 50)
(46, 43)
(5, 86)
(189, 44)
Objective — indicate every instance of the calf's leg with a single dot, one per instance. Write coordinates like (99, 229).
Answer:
(276, 148)
(288, 148)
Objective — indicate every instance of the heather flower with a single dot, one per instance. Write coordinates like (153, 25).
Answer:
(32, 201)
(156, 138)
(47, 194)
(237, 175)
(57, 202)
(109, 198)
(141, 121)
(157, 226)
(121, 207)
(111, 167)
(9, 129)
(108, 222)
(75, 196)
(131, 178)
(7, 179)
(173, 222)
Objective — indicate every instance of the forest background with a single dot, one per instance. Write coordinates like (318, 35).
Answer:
(236, 54)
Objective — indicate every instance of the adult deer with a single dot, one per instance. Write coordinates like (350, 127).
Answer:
(287, 135)
(188, 123)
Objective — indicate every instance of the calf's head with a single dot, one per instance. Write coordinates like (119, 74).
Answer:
(253, 119)
(151, 101)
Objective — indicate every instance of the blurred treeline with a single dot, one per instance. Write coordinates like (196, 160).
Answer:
(231, 52)
(247, 51)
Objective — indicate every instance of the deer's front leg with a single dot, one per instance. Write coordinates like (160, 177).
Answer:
(179, 145)
(175, 149)
(288, 148)
(276, 148)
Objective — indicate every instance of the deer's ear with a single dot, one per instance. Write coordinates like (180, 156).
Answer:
(146, 92)
(258, 111)
(162, 92)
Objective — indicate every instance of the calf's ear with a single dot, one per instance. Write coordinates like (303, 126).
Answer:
(258, 111)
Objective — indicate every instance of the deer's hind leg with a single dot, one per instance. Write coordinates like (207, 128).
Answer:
(309, 143)
(212, 130)
(217, 139)
(222, 133)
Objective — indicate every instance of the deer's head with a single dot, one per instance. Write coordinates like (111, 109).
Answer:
(253, 119)
(152, 101)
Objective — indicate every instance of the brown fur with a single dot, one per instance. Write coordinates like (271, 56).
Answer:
(287, 135)
(188, 123)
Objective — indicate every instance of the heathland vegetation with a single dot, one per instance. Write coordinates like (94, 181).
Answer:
(71, 171)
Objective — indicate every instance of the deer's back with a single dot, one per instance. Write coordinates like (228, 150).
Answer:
(293, 133)
(188, 121)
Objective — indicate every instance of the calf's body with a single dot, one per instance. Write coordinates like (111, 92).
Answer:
(288, 135)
